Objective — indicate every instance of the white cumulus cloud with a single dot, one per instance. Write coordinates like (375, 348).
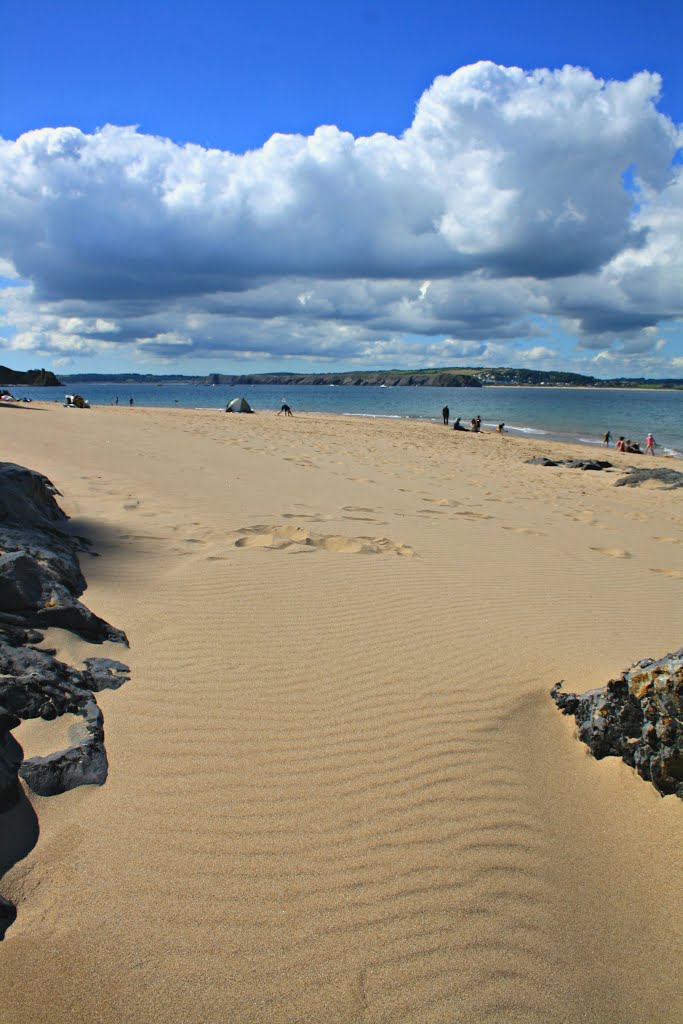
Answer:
(502, 205)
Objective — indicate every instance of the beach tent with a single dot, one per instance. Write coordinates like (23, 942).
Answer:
(238, 405)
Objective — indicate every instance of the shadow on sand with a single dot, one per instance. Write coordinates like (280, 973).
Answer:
(19, 831)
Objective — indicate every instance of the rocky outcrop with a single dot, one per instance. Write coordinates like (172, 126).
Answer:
(638, 717)
(33, 684)
(34, 378)
(40, 576)
(40, 583)
(593, 464)
(670, 478)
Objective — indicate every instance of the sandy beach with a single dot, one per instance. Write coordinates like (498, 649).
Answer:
(339, 791)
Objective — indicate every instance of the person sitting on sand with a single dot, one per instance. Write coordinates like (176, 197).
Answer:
(456, 425)
(620, 445)
(286, 410)
(650, 444)
(635, 448)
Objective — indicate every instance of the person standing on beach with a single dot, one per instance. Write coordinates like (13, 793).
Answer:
(650, 444)
(130, 401)
(117, 400)
(606, 440)
(445, 412)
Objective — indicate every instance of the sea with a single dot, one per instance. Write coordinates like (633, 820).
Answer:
(577, 415)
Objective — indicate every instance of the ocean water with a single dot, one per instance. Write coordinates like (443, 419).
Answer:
(568, 414)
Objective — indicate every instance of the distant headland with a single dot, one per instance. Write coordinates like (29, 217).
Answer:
(32, 378)
(444, 377)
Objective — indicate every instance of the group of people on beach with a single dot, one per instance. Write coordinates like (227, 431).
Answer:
(475, 422)
(625, 444)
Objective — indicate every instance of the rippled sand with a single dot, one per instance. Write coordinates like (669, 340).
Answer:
(339, 791)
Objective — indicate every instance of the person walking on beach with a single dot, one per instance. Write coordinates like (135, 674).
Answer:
(650, 444)
(606, 440)
(445, 412)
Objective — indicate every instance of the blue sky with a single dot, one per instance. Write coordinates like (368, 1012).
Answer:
(294, 257)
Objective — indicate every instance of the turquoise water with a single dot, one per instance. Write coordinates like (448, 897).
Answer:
(567, 414)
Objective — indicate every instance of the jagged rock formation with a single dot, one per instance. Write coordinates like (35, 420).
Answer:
(638, 717)
(40, 577)
(40, 582)
(594, 464)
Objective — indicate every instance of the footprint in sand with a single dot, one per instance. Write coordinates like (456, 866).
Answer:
(449, 502)
(301, 515)
(525, 530)
(614, 552)
(474, 515)
(296, 539)
(676, 574)
(130, 506)
(668, 540)
(365, 519)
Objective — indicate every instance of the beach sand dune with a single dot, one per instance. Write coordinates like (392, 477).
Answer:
(339, 790)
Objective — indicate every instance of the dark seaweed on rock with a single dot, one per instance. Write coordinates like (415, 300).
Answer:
(40, 582)
(593, 464)
(638, 717)
(671, 478)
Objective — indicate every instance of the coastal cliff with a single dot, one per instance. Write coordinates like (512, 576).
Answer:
(437, 379)
(32, 378)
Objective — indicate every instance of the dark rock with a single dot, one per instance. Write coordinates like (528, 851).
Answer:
(40, 582)
(105, 674)
(591, 464)
(671, 478)
(638, 717)
(83, 764)
(11, 756)
(40, 576)
(8, 913)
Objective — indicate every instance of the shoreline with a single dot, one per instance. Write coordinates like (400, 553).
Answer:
(512, 431)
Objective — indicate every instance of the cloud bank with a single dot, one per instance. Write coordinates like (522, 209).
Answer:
(515, 202)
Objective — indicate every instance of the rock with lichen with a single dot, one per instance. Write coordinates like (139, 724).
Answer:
(638, 717)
